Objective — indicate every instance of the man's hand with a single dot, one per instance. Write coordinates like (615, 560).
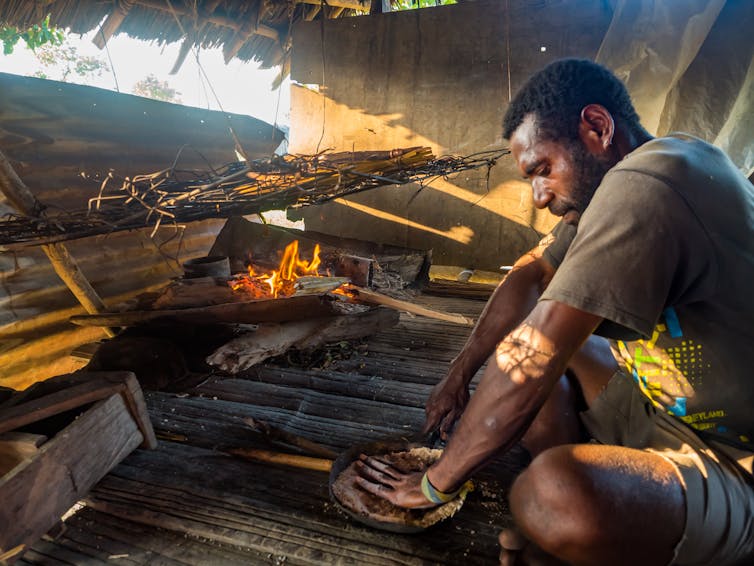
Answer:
(383, 480)
(445, 405)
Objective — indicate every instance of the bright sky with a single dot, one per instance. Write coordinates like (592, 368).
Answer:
(241, 87)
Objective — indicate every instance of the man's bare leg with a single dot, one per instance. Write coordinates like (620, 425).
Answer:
(558, 421)
(558, 424)
(591, 505)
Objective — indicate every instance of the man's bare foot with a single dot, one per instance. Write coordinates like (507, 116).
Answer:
(516, 550)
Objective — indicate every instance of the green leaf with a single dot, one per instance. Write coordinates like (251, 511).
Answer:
(35, 36)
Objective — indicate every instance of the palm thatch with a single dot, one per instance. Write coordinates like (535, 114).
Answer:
(247, 29)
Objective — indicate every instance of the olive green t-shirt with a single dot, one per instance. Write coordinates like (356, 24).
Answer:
(665, 250)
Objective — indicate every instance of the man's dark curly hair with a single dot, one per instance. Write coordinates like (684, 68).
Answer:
(557, 93)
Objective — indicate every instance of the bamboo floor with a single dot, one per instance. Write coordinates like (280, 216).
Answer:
(188, 502)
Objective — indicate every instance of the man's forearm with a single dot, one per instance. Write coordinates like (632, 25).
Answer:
(497, 416)
(515, 385)
(509, 304)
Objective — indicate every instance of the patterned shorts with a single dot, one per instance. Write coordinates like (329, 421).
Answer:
(717, 478)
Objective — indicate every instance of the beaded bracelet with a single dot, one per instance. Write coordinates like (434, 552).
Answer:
(435, 495)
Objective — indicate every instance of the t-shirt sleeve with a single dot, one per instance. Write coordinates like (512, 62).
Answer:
(558, 241)
(639, 248)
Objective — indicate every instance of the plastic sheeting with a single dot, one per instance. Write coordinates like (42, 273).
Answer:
(689, 67)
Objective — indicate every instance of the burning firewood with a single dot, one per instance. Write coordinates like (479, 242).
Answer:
(367, 296)
(244, 312)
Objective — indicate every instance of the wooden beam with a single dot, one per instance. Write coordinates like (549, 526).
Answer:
(68, 271)
(312, 13)
(335, 12)
(179, 10)
(111, 24)
(209, 8)
(241, 36)
(188, 43)
(62, 262)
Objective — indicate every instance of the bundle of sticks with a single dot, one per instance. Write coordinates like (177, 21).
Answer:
(240, 188)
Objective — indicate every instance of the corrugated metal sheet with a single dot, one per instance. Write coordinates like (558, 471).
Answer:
(35, 335)
(51, 132)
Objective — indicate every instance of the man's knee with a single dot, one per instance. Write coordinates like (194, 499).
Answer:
(550, 501)
(578, 499)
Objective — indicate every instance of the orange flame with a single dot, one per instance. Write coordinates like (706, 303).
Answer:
(280, 282)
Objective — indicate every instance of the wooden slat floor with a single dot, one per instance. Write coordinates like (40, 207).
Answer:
(188, 502)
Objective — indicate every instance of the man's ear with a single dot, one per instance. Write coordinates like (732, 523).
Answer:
(596, 128)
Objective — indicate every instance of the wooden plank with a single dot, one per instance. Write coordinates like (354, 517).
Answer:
(92, 537)
(80, 389)
(16, 447)
(215, 423)
(340, 385)
(194, 491)
(370, 297)
(450, 288)
(55, 403)
(249, 312)
(315, 403)
(36, 493)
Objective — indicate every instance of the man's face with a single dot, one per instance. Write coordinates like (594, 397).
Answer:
(563, 174)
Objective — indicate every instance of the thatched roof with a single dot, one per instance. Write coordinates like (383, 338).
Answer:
(247, 29)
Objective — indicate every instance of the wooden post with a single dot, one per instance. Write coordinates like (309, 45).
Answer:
(62, 262)
(18, 194)
(111, 24)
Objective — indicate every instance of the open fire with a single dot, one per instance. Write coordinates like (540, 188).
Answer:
(280, 282)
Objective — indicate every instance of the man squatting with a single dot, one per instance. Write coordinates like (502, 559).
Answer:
(642, 446)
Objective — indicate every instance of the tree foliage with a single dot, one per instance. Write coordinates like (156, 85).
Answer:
(34, 37)
(398, 5)
(62, 61)
(152, 87)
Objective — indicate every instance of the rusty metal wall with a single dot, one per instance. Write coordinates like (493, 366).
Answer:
(51, 132)
(437, 77)
(35, 335)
